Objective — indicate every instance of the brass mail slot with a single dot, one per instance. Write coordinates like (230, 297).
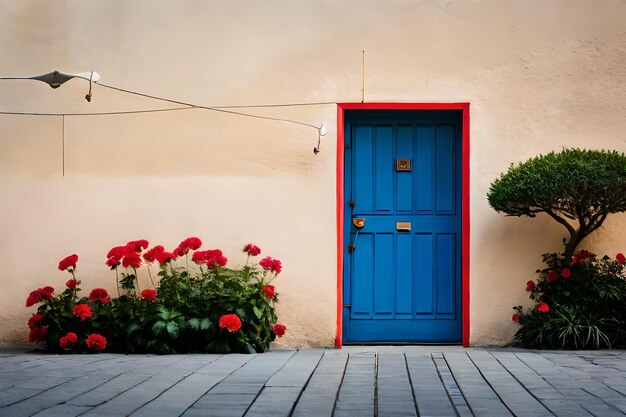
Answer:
(403, 226)
(403, 164)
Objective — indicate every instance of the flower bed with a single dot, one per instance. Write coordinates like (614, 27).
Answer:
(580, 303)
(207, 307)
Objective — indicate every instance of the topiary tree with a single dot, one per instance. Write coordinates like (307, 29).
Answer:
(577, 188)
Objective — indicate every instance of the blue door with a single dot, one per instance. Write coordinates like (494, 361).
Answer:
(402, 274)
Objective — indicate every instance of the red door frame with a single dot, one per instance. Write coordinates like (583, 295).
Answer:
(465, 211)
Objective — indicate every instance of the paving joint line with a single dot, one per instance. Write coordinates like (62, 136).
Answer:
(408, 372)
(176, 383)
(376, 384)
(293, 407)
(489, 384)
(602, 400)
(520, 382)
(263, 387)
(456, 384)
(117, 395)
(343, 375)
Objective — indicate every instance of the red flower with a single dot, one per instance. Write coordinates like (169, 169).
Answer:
(210, 258)
(37, 334)
(270, 264)
(566, 273)
(552, 276)
(279, 329)
(620, 258)
(148, 294)
(131, 258)
(96, 342)
(192, 243)
(580, 256)
(83, 311)
(34, 297)
(149, 256)
(99, 295)
(530, 285)
(39, 295)
(72, 283)
(515, 318)
(116, 252)
(137, 245)
(543, 307)
(69, 262)
(113, 262)
(269, 291)
(230, 322)
(163, 257)
(68, 340)
(252, 250)
(34, 320)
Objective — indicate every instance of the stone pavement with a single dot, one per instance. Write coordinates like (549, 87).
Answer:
(354, 381)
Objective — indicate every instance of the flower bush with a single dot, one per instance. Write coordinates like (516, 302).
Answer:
(580, 303)
(204, 306)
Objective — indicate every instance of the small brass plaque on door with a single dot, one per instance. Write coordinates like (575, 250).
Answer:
(403, 164)
(403, 226)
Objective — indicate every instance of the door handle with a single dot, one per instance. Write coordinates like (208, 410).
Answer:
(358, 222)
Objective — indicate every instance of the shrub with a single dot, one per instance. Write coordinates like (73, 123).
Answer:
(577, 188)
(580, 303)
(206, 308)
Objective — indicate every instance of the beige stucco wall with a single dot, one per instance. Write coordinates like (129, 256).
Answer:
(540, 75)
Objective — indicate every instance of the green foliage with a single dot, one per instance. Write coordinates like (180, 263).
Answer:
(574, 185)
(586, 300)
(183, 317)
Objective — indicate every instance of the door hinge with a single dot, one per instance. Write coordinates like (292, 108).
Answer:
(347, 306)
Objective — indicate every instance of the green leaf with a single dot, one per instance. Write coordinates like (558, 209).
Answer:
(173, 329)
(205, 324)
(257, 312)
(194, 323)
(159, 327)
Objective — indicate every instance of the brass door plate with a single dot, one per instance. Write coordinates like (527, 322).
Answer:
(403, 164)
(403, 226)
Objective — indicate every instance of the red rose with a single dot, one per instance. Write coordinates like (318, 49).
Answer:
(68, 340)
(252, 250)
(46, 292)
(83, 311)
(72, 283)
(515, 318)
(69, 262)
(99, 295)
(279, 329)
(231, 322)
(148, 294)
(132, 259)
(270, 264)
(137, 245)
(620, 258)
(37, 334)
(96, 342)
(552, 276)
(566, 273)
(543, 307)
(116, 252)
(269, 291)
(580, 256)
(149, 256)
(530, 285)
(34, 320)
(163, 257)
